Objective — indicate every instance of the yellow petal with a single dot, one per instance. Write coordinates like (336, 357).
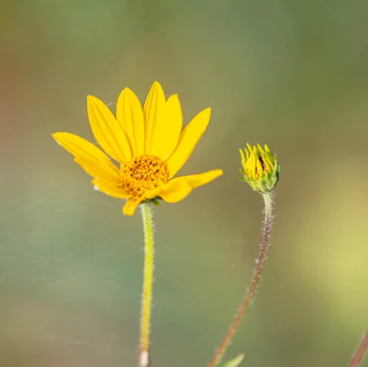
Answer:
(267, 162)
(246, 151)
(188, 140)
(176, 190)
(242, 157)
(153, 111)
(105, 172)
(130, 115)
(166, 132)
(253, 164)
(110, 190)
(201, 179)
(107, 131)
(260, 149)
(130, 206)
(259, 168)
(79, 147)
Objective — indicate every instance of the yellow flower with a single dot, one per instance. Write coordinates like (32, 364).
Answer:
(148, 143)
(261, 170)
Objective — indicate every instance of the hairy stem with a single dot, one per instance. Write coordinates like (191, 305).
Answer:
(267, 197)
(146, 306)
(360, 352)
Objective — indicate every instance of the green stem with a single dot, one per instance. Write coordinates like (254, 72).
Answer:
(360, 352)
(267, 197)
(146, 306)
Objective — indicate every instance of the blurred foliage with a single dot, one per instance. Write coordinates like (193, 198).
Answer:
(288, 73)
(235, 361)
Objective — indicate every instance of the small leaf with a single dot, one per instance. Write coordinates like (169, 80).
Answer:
(234, 362)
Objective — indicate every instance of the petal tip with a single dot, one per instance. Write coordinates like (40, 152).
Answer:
(58, 137)
(125, 91)
(55, 136)
(174, 99)
(130, 207)
(205, 116)
(156, 87)
(156, 84)
(91, 100)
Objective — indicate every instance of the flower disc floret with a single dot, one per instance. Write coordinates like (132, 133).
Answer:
(143, 175)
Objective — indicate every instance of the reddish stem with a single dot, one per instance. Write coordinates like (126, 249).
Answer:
(360, 352)
(254, 284)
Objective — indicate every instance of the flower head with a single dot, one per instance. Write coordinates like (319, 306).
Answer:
(148, 144)
(261, 170)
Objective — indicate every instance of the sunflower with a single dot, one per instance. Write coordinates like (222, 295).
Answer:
(148, 144)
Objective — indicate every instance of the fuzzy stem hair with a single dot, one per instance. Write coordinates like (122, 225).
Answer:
(146, 306)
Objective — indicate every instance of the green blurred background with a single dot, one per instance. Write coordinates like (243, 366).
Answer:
(292, 74)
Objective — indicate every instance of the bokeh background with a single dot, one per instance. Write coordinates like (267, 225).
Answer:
(289, 73)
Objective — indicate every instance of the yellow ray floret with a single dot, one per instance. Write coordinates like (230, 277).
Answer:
(148, 144)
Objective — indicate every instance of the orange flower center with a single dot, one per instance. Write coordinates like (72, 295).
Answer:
(143, 174)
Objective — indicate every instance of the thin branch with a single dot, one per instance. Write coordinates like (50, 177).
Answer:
(254, 283)
(360, 352)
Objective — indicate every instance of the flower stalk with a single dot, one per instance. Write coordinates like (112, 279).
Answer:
(268, 206)
(360, 352)
(146, 306)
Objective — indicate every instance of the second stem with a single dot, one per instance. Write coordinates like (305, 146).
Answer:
(267, 197)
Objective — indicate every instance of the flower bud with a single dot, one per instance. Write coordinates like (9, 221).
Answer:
(260, 168)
